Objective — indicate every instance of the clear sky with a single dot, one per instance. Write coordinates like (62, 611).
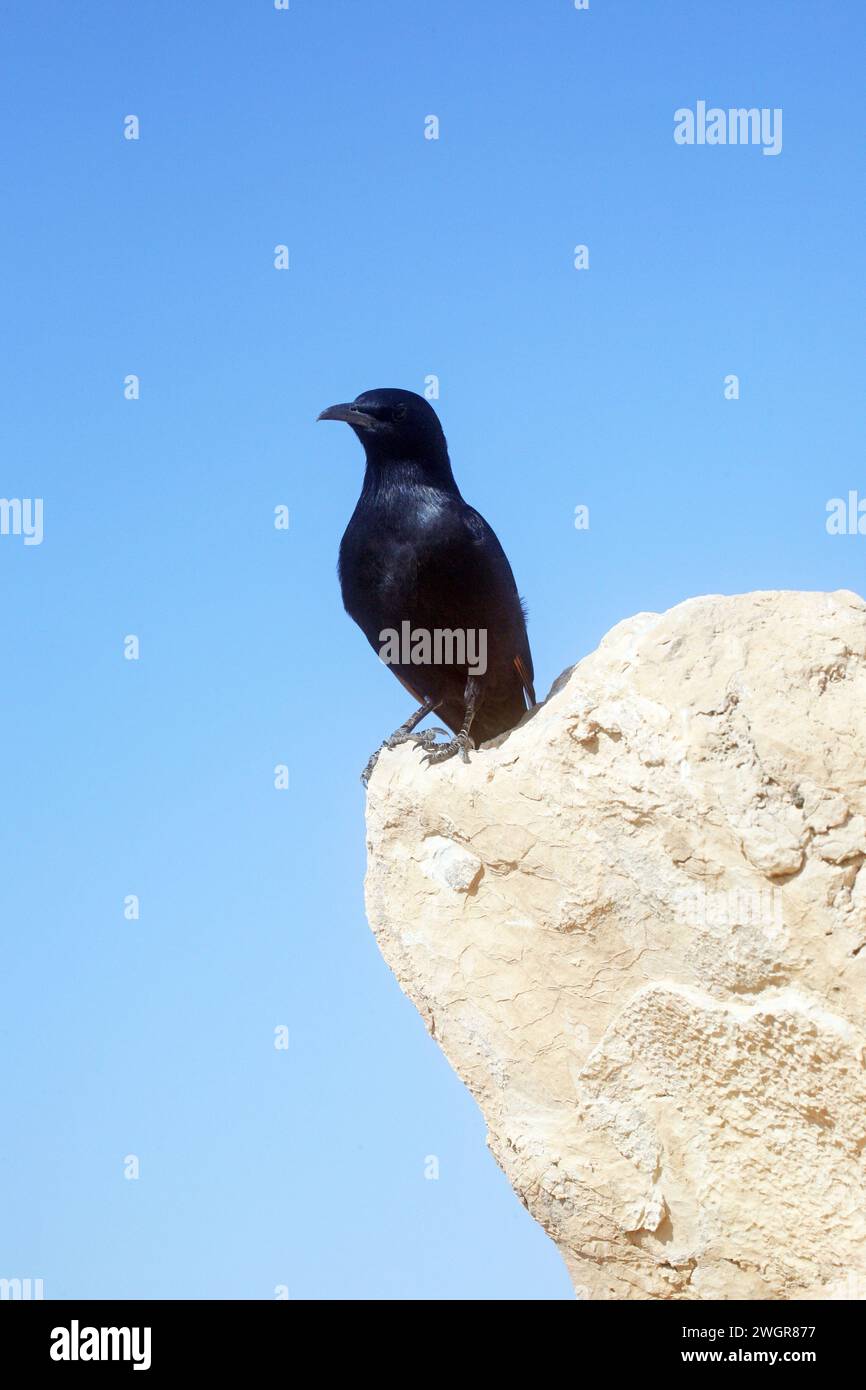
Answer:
(408, 257)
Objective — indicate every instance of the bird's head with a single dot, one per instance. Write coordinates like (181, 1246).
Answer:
(392, 425)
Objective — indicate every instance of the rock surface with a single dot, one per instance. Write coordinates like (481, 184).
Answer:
(635, 925)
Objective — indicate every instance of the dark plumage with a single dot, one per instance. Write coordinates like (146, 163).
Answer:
(415, 552)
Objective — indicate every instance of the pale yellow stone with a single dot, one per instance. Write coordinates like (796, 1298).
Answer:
(636, 928)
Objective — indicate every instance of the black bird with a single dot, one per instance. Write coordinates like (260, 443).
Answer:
(416, 559)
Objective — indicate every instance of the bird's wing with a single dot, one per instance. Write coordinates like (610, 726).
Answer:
(525, 675)
(467, 571)
(506, 589)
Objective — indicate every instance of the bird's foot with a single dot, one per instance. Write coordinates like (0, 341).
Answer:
(426, 739)
(443, 751)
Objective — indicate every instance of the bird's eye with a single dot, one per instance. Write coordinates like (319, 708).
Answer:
(398, 412)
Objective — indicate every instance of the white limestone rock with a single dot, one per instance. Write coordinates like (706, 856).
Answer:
(635, 925)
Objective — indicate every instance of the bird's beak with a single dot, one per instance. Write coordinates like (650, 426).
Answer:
(349, 413)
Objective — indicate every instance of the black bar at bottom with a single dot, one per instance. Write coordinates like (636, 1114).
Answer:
(217, 1339)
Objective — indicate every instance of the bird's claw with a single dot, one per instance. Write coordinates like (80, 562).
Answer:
(426, 739)
(443, 751)
(368, 770)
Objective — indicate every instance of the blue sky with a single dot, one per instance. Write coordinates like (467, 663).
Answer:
(408, 257)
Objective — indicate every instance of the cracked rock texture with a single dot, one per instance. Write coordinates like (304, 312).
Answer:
(635, 926)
